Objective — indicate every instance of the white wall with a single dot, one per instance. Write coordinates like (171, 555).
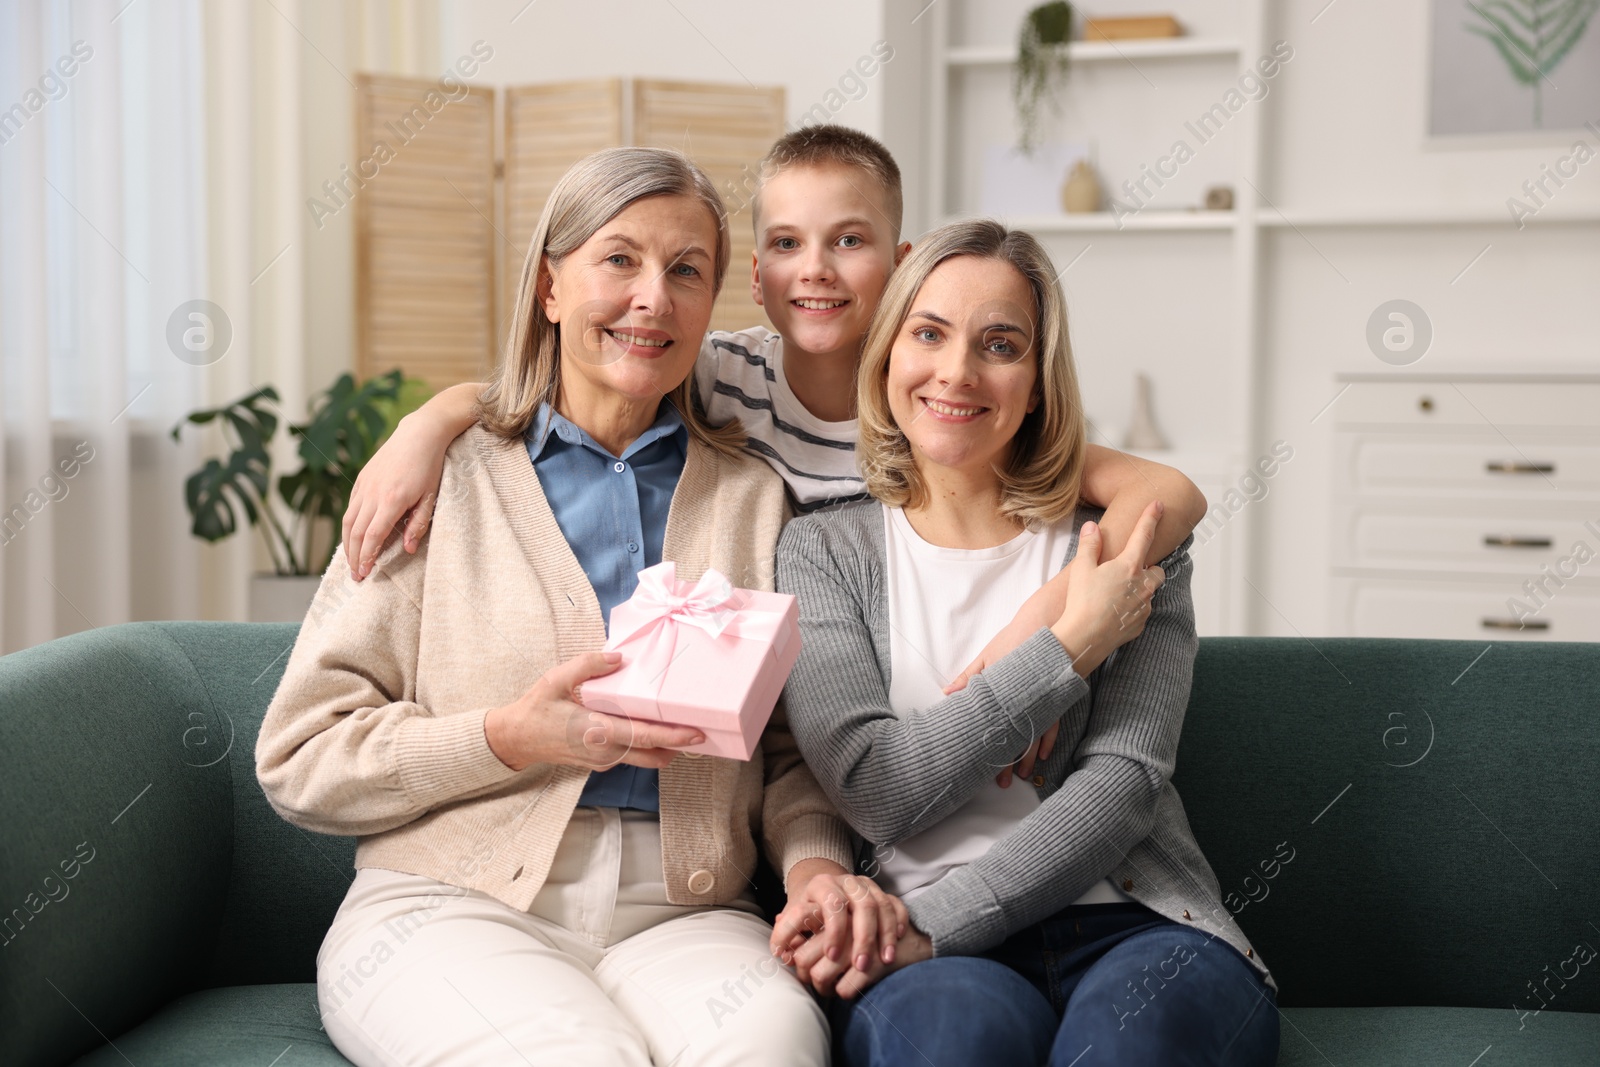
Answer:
(1346, 133)
(808, 49)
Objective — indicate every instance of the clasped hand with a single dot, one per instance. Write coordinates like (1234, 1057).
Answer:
(842, 933)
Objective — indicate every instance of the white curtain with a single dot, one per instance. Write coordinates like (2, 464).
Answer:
(153, 154)
(101, 235)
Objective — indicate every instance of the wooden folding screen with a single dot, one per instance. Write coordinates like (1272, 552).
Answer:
(424, 230)
(439, 262)
(726, 129)
(548, 128)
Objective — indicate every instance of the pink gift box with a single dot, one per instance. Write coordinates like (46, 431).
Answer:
(700, 654)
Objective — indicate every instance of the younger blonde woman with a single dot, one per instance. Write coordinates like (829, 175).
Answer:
(1070, 919)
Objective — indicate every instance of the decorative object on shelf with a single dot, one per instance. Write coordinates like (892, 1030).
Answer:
(348, 423)
(1492, 65)
(1219, 198)
(1041, 65)
(1080, 193)
(1143, 435)
(1130, 28)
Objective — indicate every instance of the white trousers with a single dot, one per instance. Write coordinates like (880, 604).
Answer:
(602, 969)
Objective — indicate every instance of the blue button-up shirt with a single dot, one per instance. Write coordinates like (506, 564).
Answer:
(613, 512)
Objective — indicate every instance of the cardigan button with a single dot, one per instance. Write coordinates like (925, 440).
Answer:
(517, 873)
(1185, 913)
(1249, 953)
(701, 883)
(1038, 779)
(694, 755)
(1127, 883)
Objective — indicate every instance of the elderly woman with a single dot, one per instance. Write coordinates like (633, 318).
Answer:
(535, 882)
(1070, 918)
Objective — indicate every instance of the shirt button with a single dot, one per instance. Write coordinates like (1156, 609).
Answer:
(619, 466)
(1038, 779)
(1127, 883)
(632, 547)
(701, 882)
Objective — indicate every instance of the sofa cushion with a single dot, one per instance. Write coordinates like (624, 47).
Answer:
(278, 1025)
(1437, 798)
(1437, 1037)
(251, 1026)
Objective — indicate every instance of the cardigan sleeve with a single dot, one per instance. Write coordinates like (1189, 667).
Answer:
(894, 776)
(1104, 807)
(344, 747)
(797, 820)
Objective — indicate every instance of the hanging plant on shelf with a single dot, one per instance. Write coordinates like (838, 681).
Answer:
(1532, 37)
(1041, 65)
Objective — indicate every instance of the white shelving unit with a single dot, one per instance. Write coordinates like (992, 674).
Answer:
(1241, 318)
(1100, 221)
(1223, 598)
(1421, 217)
(1098, 51)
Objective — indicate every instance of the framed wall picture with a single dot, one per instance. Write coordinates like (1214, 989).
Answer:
(1516, 68)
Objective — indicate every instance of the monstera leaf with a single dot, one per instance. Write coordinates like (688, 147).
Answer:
(215, 489)
(347, 425)
(1532, 37)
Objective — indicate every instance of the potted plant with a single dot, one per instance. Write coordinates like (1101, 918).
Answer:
(300, 525)
(1041, 65)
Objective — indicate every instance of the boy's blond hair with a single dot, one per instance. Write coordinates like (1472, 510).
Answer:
(813, 146)
(1043, 477)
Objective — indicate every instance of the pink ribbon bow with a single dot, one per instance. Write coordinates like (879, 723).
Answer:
(645, 627)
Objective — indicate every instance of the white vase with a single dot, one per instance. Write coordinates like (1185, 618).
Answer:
(282, 597)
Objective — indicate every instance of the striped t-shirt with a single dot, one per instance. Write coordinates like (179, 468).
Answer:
(740, 376)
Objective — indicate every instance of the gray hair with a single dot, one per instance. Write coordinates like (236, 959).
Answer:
(592, 192)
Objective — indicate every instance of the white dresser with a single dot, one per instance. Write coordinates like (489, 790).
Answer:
(1467, 507)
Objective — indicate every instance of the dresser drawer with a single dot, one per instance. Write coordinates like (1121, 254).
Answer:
(1517, 544)
(1478, 465)
(1469, 405)
(1465, 611)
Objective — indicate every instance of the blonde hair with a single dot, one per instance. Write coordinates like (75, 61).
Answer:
(817, 146)
(590, 194)
(1042, 478)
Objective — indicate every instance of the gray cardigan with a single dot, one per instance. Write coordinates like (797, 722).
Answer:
(1108, 803)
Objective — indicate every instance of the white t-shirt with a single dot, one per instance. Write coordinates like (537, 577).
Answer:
(740, 376)
(945, 604)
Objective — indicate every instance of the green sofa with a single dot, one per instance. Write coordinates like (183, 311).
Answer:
(1411, 829)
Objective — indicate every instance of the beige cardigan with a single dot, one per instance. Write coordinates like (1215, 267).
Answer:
(376, 730)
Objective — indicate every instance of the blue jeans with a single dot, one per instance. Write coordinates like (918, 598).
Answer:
(1097, 984)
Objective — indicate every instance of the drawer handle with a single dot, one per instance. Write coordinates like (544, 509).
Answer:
(1504, 467)
(1513, 624)
(1517, 542)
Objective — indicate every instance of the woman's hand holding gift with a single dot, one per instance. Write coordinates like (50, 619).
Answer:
(548, 724)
